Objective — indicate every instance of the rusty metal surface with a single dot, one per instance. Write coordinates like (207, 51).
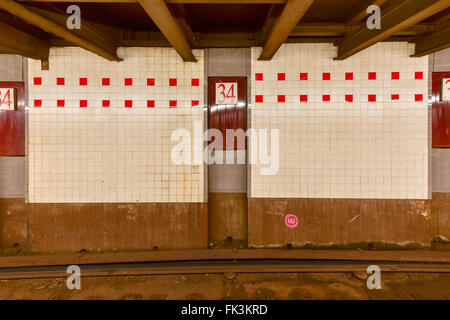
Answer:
(13, 223)
(105, 227)
(227, 217)
(339, 222)
(12, 124)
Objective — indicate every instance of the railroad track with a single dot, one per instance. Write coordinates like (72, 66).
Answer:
(214, 267)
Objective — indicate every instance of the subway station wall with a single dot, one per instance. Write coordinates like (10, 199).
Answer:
(100, 131)
(353, 148)
(356, 128)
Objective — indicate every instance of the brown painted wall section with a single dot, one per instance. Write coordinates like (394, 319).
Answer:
(50, 228)
(441, 210)
(106, 227)
(227, 218)
(13, 223)
(324, 222)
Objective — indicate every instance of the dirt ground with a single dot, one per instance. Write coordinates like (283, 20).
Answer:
(235, 286)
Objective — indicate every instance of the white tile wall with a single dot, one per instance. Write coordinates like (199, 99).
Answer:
(342, 149)
(112, 154)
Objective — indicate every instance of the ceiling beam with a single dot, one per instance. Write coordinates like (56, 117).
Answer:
(340, 29)
(433, 42)
(399, 17)
(50, 26)
(286, 22)
(269, 21)
(16, 41)
(100, 34)
(158, 11)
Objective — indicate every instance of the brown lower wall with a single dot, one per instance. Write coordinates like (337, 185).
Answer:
(49, 228)
(13, 223)
(324, 222)
(106, 227)
(227, 218)
(441, 210)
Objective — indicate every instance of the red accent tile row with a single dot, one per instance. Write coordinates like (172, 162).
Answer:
(127, 103)
(348, 76)
(195, 82)
(327, 98)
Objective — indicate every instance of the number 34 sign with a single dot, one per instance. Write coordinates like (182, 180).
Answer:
(7, 99)
(226, 93)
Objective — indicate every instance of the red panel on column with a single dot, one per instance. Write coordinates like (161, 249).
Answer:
(440, 113)
(228, 116)
(12, 123)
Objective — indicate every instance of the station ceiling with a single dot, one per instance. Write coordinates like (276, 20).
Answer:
(29, 28)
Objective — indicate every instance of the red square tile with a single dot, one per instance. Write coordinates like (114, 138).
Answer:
(150, 103)
(303, 98)
(194, 103)
(281, 76)
(326, 97)
(105, 103)
(105, 81)
(128, 103)
(395, 75)
(372, 76)
(83, 103)
(150, 82)
(173, 82)
(60, 81)
(281, 98)
(83, 81)
(304, 76)
(418, 75)
(60, 103)
(195, 82)
(395, 97)
(128, 81)
(348, 98)
(372, 97)
(173, 103)
(38, 103)
(259, 77)
(418, 97)
(326, 76)
(259, 98)
(37, 81)
(349, 76)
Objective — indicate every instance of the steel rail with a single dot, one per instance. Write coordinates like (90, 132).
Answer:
(217, 267)
(224, 254)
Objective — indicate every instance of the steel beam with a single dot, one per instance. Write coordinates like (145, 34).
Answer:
(16, 41)
(286, 22)
(31, 17)
(399, 17)
(158, 11)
